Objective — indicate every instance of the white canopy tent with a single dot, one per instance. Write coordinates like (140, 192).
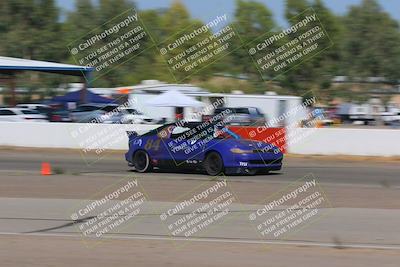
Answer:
(178, 101)
(174, 99)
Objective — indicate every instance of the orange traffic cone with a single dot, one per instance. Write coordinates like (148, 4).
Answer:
(46, 168)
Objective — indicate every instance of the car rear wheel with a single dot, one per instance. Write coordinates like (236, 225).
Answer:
(213, 164)
(141, 161)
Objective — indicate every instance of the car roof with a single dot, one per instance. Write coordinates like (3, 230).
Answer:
(178, 124)
(234, 107)
(15, 109)
(97, 105)
(32, 104)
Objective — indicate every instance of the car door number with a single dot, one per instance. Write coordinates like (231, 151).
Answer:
(152, 144)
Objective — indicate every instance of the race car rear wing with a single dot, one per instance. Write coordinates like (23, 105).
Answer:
(132, 134)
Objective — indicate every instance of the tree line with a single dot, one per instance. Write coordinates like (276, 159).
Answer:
(365, 42)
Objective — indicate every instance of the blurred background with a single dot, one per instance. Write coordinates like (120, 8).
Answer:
(359, 73)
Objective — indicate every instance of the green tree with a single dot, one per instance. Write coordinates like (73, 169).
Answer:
(296, 8)
(175, 19)
(316, 70)
(176, 22)
(327, 64)
(30, 29)
(108, 9)
(252, 22)
(80, 21)
(150, 65)
(371, 42)
(299, 79)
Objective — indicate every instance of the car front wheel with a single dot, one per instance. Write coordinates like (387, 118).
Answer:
(213, 164)
(141, 161)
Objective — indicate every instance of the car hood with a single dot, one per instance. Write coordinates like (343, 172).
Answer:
(35, 116)
(249, 144)
(143, 117)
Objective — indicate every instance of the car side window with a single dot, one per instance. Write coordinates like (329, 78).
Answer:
(30, 112)
(85, 109)
(178, 131)
(165, 132)
(242, 111)
(89, 108)
(109, 108)
(259, 112)
(78, 109)
(6, 112)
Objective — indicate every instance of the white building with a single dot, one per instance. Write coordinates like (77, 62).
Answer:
(273, 106)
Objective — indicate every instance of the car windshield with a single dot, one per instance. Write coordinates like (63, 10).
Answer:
(223, 133)
(43, 109)
(211, 132)
(133, 111)
(241, 110)
(109, 108)
(220, 110)
(233, 110)
(29, 111)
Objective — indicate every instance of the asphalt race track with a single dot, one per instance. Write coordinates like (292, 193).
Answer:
(361, 216)
(336, 171)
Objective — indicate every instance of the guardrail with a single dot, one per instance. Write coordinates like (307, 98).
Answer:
(339, 141)
(308, 141)
(67, 135)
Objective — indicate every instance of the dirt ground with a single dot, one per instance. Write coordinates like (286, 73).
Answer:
(158, 189)
(42, 250)
(65, 251)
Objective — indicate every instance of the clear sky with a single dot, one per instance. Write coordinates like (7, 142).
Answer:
(208, 9)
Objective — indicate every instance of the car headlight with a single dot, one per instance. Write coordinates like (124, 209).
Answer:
(240, 151)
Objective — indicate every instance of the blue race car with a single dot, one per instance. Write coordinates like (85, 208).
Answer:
(202, 146)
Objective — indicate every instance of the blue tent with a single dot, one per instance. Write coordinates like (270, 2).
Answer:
(76, 97)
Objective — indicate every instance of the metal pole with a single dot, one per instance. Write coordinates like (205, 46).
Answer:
(13, 101)
(86, 77)
(83, 91)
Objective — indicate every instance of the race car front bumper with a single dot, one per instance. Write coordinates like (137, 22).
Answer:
(267, 161)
